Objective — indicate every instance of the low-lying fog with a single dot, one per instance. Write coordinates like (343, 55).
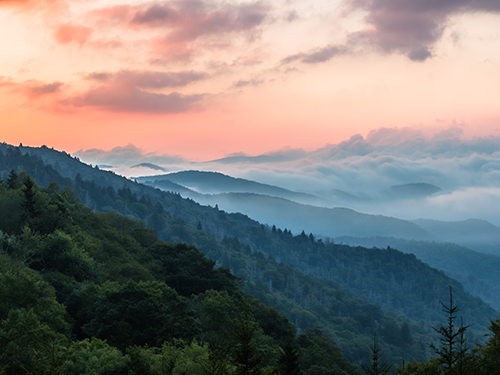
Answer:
(452, 178)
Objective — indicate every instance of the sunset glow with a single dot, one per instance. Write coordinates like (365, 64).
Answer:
(205, 79)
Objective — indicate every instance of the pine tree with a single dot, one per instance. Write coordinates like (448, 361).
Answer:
(376, 367)
(245, 352)
(12, 181)
(453, 352)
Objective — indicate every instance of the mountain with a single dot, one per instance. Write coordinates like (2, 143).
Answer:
(90, 293)
(330, 222)
(150, 166)
(475, 234)
(350, 292)
(215, 183)
(299, 211)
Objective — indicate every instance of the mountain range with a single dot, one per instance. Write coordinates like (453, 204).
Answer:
(299, 211)
(303, 276)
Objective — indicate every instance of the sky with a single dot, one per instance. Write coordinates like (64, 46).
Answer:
(202, 80)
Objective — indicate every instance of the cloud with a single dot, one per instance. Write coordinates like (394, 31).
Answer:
(468, 171)
(37, 89)
(125, 155)
(126, 98)
(127, 91)
(33, 89)
(251, 82)
(316, 56)
(70, 33)
(148, 79)
(190, 19)
(412, 27)
(181, 24)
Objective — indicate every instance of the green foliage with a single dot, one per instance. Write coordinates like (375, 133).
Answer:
(94, 357)
(245, 354)
(187, 270)
(489, 359)
(59, 253)
(28, 346)
(139, 314)
(289, 360)
(319, 350)
(22, 288)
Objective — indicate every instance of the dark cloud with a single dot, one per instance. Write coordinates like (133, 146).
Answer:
(157, 14)
(149, 79)
(123, 98)
(44, 88)
(413, 26)
(316, 56)
(421, 54)
(188, 20)
(187, 27)
(292, 16)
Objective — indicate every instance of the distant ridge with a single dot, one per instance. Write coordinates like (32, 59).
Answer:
(215, 183)
(150, 166)
(318, 220)
(475, 234)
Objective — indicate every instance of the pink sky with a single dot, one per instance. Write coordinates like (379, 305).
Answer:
(205, 79)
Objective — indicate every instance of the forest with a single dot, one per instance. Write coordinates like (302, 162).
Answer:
(77, 281)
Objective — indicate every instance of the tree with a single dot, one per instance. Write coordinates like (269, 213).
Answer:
(140, 313)
(289, 360)
(376, 367)
(245, 353)
(94, 357)
(490, 351)
(29, 346)
(23, 288)
(453, 352)
(12, 181)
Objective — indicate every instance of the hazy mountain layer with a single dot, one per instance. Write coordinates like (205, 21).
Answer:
(215, 183)
(476, 234)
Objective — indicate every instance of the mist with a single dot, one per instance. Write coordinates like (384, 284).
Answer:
(359, 173)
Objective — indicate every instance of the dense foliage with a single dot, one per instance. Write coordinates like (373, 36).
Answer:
(85, 292)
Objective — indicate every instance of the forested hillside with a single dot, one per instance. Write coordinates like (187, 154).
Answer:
(312, 282)
(91, 293)
(477, 272)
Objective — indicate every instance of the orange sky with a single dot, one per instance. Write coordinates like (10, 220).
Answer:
(205, 79)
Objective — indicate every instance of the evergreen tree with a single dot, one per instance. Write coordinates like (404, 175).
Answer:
(489, 362)
(12, 181)
(245, 352)
(376, 367)
(453, 352)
